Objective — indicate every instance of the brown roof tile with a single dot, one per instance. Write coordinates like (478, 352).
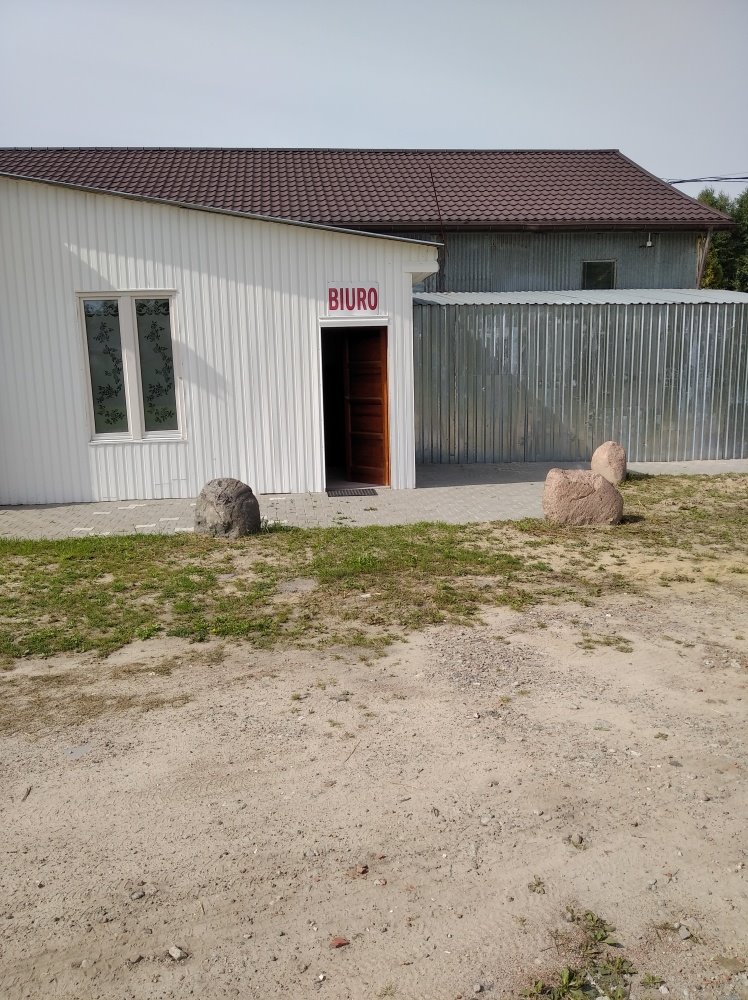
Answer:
(384, 188)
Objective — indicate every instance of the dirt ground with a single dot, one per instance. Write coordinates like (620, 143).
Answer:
(441, 808)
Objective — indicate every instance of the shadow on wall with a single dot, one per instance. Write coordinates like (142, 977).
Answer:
(535, 383)
(191, 367)
(492, 417)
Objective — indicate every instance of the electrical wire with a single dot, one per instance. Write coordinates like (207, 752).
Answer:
(723, 179)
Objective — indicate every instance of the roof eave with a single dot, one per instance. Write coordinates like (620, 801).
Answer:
(600, 225)
(190, 206)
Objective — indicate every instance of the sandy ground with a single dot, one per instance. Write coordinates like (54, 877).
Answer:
(250, 810)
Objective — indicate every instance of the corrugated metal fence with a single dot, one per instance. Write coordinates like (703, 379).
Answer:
(549, 382)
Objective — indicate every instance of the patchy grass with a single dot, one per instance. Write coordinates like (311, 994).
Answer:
(207, 656)
(650, 980)
(47, 702)
(683, 514)
(373, 584)
(102, 593)
(589, 642)
(599, 968)
(388, 990)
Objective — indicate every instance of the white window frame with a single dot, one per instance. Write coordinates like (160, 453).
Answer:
(136, 432)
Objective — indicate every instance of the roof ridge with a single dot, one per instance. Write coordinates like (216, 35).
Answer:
(311, 149)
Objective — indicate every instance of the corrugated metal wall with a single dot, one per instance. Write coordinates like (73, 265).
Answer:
(249, 296)
(521, 262)
(526, 383)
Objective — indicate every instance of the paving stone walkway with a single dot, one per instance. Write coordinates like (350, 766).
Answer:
(458, 494)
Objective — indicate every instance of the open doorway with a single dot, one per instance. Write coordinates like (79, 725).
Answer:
(354, 393)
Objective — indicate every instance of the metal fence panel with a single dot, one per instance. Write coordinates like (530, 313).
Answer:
(549, 382)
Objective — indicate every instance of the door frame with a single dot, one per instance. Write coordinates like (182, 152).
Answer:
(371, 322)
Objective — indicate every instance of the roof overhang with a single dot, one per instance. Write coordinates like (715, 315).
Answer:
(190, 206)
(591, 226)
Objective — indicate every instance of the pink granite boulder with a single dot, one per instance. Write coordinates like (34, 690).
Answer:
(609, 461)
(576, 496)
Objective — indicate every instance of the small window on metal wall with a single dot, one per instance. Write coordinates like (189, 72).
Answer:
(598, 274)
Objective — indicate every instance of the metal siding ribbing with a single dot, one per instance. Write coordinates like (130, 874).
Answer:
(508, 262)
(540, 382)
(249, 296)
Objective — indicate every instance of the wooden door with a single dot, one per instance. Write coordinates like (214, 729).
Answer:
(365, 389)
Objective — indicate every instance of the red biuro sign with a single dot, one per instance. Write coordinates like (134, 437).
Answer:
(348, 300)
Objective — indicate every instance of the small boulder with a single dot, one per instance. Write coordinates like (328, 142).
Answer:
(227, 508)
(575, 496)
(609, 461)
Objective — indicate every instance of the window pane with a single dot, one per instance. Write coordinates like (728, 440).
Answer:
(105, 363)
(599, 274)
(156, 364)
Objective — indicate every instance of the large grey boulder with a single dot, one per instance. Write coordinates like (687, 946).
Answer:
(609, 461)
(227, 508)
(576, 496)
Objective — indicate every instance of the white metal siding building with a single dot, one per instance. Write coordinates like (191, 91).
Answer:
(245, 301)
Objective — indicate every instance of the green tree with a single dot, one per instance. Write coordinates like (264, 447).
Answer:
(727, 259)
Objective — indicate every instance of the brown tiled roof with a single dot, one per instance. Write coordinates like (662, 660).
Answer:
(386, 188)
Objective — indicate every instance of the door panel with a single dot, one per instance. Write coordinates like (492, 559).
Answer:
(365, 383)
(367, 432)
(366, 418)
(368, 455)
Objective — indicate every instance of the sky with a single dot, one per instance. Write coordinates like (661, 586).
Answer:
(665, 81)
